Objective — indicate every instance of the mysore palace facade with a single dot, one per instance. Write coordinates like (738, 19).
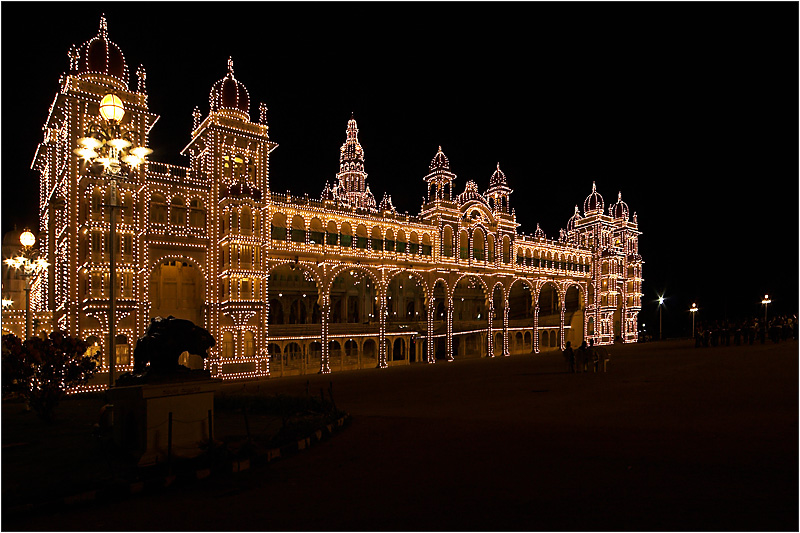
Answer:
(291, 285)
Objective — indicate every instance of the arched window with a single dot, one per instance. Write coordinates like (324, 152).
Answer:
(491, 248)
(413, 243)
(506, 250)
(332, 234)
(227, 345)
(197, 213)
(315, 235)
(463, 244)
(346, 235)
(376, 240)
(278, 231)
(298, 229)
(447, 241)
(361, 236)
(478, 244)
(389, 240)
(426, 244)
(249, 344)
(177, 214)
(401, 242)
(246, 221)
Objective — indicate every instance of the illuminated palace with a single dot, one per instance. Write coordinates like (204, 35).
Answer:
(291, 285)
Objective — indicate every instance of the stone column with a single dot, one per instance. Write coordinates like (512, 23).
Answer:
(325, 357)
(489, 331)
(382, 332)
(505, 327)
(449, 343)
(431, 355)
(536, 328)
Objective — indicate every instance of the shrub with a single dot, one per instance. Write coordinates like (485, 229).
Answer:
(42, 370)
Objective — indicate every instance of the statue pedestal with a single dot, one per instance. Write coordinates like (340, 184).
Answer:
(142, 418)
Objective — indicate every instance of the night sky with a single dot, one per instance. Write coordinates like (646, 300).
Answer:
(690, 109)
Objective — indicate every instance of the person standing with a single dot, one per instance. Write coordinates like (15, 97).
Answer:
(569, 355)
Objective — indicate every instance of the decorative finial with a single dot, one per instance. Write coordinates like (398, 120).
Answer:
(142, 78)
(262, 113)
(619, 196)
(594, 187)
(73, 58)
(230, 65)
(196, 118)
(103, 25)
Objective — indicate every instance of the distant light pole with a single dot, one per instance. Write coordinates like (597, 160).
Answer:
(112, 154)
(766, 301)
(693, 310)
(28, 267)
(660, 304)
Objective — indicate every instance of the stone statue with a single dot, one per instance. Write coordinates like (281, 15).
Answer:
(157, 352)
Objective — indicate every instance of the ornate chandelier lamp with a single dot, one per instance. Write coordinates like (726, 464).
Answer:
(29, 266)
(112, 152)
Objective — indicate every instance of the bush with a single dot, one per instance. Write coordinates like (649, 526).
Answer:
(42, 370)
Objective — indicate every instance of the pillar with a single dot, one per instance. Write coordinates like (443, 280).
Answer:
(489, 331)
(431, 355)
(449, 339)
(382, 332)
(505, 327)
(536, 328)
(563, 298)
(325, 357)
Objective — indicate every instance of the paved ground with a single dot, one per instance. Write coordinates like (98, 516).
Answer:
(672, 438)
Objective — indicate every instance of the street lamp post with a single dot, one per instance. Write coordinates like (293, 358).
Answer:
(111, 153)
(28, 267)
(765, 302)
(660, 304)
(693, 310)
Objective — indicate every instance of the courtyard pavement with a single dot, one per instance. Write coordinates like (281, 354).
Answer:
(672, 438)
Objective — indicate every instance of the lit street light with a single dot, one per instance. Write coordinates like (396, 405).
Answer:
(693, 310)
(111, 153)
(765, 302)
(28, 267)
(660, 304)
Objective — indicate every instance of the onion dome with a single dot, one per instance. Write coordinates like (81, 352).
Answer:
(593, 205)
(440, 161)
(539, 234)
(470, 193)
(498, 179)
(620, 209)
(230, 94)
(99, 55)
(573, 220)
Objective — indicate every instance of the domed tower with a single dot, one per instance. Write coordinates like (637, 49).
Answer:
(440, 178)
(230, 96)
(498, 192)
(231, 154)
(593, 205)
(74, 203)
(99, 59)
(619, 210)
(352, 177)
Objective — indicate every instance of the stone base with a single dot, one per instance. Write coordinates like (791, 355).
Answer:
(142, 415)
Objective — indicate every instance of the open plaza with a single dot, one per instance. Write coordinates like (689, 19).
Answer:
(672, 437)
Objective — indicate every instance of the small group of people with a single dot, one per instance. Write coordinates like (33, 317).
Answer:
(585, 357)
(719, 333)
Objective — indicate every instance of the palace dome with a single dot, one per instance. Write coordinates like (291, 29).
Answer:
(229, 93)
(573, 220)
(470, 193)
(593, 205)
(99, 55)
(619, 209)
(440, 161)
(498, 178)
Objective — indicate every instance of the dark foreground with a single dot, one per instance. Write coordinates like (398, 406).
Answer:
(671, 438)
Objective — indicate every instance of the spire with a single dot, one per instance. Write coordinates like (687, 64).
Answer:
(103, 26)
(230, 66)
(141, 76)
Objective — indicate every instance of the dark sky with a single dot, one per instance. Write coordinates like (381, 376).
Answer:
(690, 109)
